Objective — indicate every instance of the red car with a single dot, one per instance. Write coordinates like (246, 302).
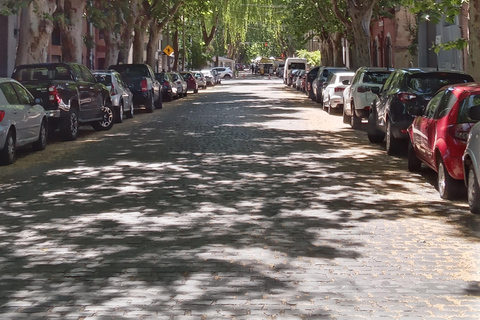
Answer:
(190, 80)
(439, 133)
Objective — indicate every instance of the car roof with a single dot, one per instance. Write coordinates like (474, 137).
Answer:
(431, 70)
(3, 80)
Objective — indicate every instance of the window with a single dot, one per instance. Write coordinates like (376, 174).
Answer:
(467, 103)
(9, 93)
(445, 104)
(24, 96)
(87, 75)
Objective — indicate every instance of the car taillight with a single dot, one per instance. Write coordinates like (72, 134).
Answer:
(166, 83)
(339, 89)
(406, 96)
(460, 131)
(112, 89)
(2, 115)
(53, 95)
(144, 85)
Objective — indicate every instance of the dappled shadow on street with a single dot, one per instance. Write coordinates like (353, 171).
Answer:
(205, 208)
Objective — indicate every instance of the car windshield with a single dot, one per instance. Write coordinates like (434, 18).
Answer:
(431, 83)
(376, 77)
(131, 70)
(105, 79)
(299, 65)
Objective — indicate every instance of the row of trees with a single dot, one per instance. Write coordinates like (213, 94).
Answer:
(240, 29)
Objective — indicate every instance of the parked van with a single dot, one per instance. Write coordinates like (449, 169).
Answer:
(292, 64)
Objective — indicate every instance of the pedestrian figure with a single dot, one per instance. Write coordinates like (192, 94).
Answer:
(253, 68)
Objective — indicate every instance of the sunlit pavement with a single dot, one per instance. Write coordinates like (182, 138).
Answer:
(245, 201)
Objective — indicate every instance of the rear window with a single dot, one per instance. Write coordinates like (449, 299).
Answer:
(131, 70)
(430, 83)
(376, 77)
(42, 73)
(467, 103)
(343, 78)
(105, 79)
(297, 65)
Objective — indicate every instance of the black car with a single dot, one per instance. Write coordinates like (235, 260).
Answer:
(404, 89)
(166, 82)
(311, 75)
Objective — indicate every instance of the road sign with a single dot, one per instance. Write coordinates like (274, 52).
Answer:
(168, 50)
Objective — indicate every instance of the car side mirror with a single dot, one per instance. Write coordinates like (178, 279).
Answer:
(474, 113)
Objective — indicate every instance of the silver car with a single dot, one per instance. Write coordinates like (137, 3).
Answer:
(180, 83)
(22, 120)
(202, 82)
(471, 162)
(122, 97)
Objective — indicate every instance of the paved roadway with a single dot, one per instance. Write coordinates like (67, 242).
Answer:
(245, 201)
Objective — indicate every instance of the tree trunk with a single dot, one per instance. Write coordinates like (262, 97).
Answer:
(474, 43)
(72, 29)
(127, 33)
(175, 49)
(35, 32)
(337, 49)
(152, 46)
(139, 40)
(361, 16)
(112, 47)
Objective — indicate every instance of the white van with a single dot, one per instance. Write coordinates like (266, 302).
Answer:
(292, 64)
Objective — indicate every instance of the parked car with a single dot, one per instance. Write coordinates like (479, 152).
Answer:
(23, 120)
(169, 89)
(311, 75)
(438, 135)
(317, 83)
(216, 76)
(209, 77)
(333, 91)
(356, 106)
(201, 81)
(122, 97)
(190, 80)
(471, 161)
(224, 72)
(61, 86)
(404, 89)
(294, 76)
(290, 65)
(141, 81)
(180, 83)
(300, 80)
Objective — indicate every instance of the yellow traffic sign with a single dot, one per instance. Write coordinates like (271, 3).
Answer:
(168, 50)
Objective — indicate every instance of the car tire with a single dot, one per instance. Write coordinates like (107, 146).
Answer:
(69, 126)
(129, 114)
(8, 154)
(159, 103)
(108, 118)
(119, 114)
(391, 143)
(195, 90)
(447, 186)
(346, 119)
(473, 192)
(41, 143)
(185, 94)
(227, 77)
(149, 104)
(317, 98)
(330, 110)
(355, 122)
(413, 163)
(374, 135)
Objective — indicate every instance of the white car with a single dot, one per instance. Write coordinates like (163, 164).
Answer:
(224, 72)
(356, 105)
(180, 83)
(333, 91)
(202, 82)
(209, 77)
(23, 120)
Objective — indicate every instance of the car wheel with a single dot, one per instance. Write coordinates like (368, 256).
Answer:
(473, 192)
(69, 127)
(227, 77)
(414, 164)
(108, 117)
(391, 143)
(41, 143)
(159, 102)
(129, 114)
(8, 154)
(374, 135)
(119, 114)
(355, 122)
(195, 90)
(329, 107)
(317, 98)
(447, 186)
(149, 104)
(185, 94)
(346, 119)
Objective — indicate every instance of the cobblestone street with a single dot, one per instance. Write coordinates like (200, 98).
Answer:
(245, 201)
